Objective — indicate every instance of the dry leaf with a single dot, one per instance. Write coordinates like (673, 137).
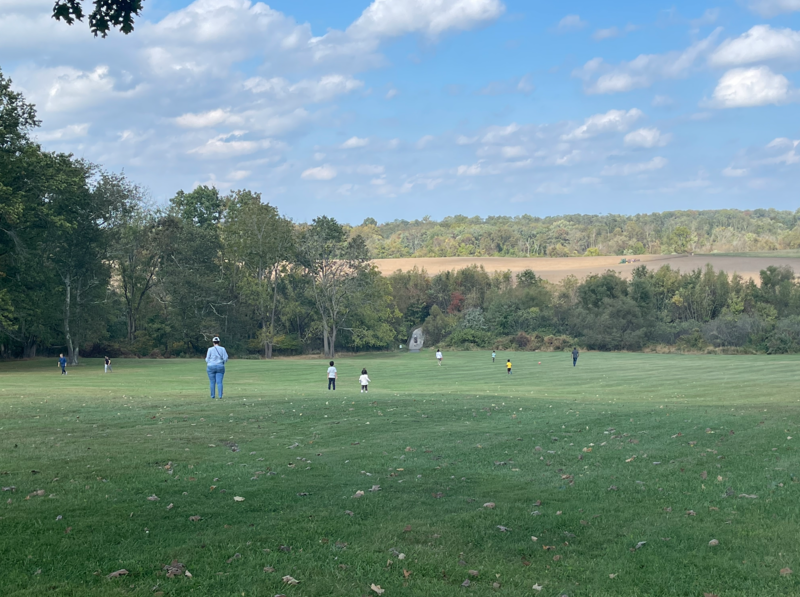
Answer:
(236, 556)
(534, 538)
(195, 518)
(466, 583)
(473, 573)
(556, 558)
(269, 569)
(786, 571)
(170, 507)
(407, 528)
(152, 498)
(489, 505)
(358, 494)
(406, 573)
(376, 488)
(348, 512)
(238, 498)
(713, 543)
(710, 595)
(118, 573)
(496, 585)
(377, 589)
(691, 513)
(537, 587)
(752, 497)
(612, 576)
(174, 569)
(503, 529)
(639, 545)
(289, 580)
(704, 475)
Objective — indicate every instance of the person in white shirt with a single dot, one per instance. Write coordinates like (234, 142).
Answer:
(494, 354)
(439, 356)
(364, 381)
(216, 357)
(332, 375)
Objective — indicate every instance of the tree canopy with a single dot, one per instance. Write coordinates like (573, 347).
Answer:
(104, 15)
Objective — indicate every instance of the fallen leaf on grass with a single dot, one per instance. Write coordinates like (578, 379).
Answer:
(639, 545)
(612, 576)
(195, 518)
(713, 543)
(37, 493)
(503, 529)
(534, 538)
(786, 571)
(466, 583)
(473, 573)
(348, 512)
(238, 498)
(710, 595)
(375, 488)
(438, 495)
(153, 498)
(556, 558)
(269, 569)
(704, 475)
(537, 587)
(67, 530)
(489, 505)
(175, 568)
(406, 573)
(631, 459)
(377, 589)
(407, 528)
(170, 507)
(285, 548)
(752, 497)
(236, 556)
(290, 581)
(612, 488)
(496, 585)
(668, 509)
(691, 513)
(358, 494)
(118, 573)
(302, 494)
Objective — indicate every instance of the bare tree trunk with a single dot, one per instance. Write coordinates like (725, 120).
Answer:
(67, 306)
(333, 341)
(29, 350)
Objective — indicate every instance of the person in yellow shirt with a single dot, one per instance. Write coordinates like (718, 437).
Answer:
(508, 366)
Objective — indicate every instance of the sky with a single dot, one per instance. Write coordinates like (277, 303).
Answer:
(398, 109)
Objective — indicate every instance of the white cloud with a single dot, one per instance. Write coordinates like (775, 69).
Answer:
(662, 101)
(464, 140)
(354, 143)
(239, 174)
(750, 87)
(310, 90)
(637, 168)
(423, 142)
(762, 43)
(497, 134)
(326, 172)
(571, 23)
(73, 131)
(472, 170)
(612, 121)
(732, 172)
(204, 119)
(513, 151)
(389, 18)
(709, 17)
(602, 34)
(391, 93)
(789, 157)
(370, 169)
(522, 85)
(771, 8)
(647, 138)
(319, 156)
(221, 147)
(642, 71)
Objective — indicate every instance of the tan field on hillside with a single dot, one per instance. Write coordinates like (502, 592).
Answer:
(556, 269)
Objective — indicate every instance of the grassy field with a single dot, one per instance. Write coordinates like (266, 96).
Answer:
(591, 461)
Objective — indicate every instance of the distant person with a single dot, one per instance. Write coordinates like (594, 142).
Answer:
(62, 362)
(508, 366)
(494, 354)
(439, 356)
(332, 375)
(216, 357)
(364, 381)
(108, 366)
(575, 354)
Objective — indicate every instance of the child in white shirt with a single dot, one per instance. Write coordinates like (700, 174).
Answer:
(364, 381)
(332, 375)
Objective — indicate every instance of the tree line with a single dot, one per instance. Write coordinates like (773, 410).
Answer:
(711, 231)
(88, 266)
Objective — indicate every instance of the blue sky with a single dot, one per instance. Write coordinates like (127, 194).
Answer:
(405, 108)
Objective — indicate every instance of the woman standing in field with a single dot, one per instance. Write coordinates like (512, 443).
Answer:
(216, 357)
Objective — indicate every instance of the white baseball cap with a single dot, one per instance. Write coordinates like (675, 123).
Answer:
(215, 339)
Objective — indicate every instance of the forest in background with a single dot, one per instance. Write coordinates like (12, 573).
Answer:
(712, 231)
(89, 267)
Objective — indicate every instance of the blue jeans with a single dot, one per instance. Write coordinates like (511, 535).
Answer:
(215, 375)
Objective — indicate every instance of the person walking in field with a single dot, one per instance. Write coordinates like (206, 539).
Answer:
(508, 366)
(108, 366)
(364, 381)
(575, 354)
(439, 356)
(494, 354)
(332, 375)
(62, 362)
(216, 357)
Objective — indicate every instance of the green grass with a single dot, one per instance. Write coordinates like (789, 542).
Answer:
(433, 439)
(777, 253)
